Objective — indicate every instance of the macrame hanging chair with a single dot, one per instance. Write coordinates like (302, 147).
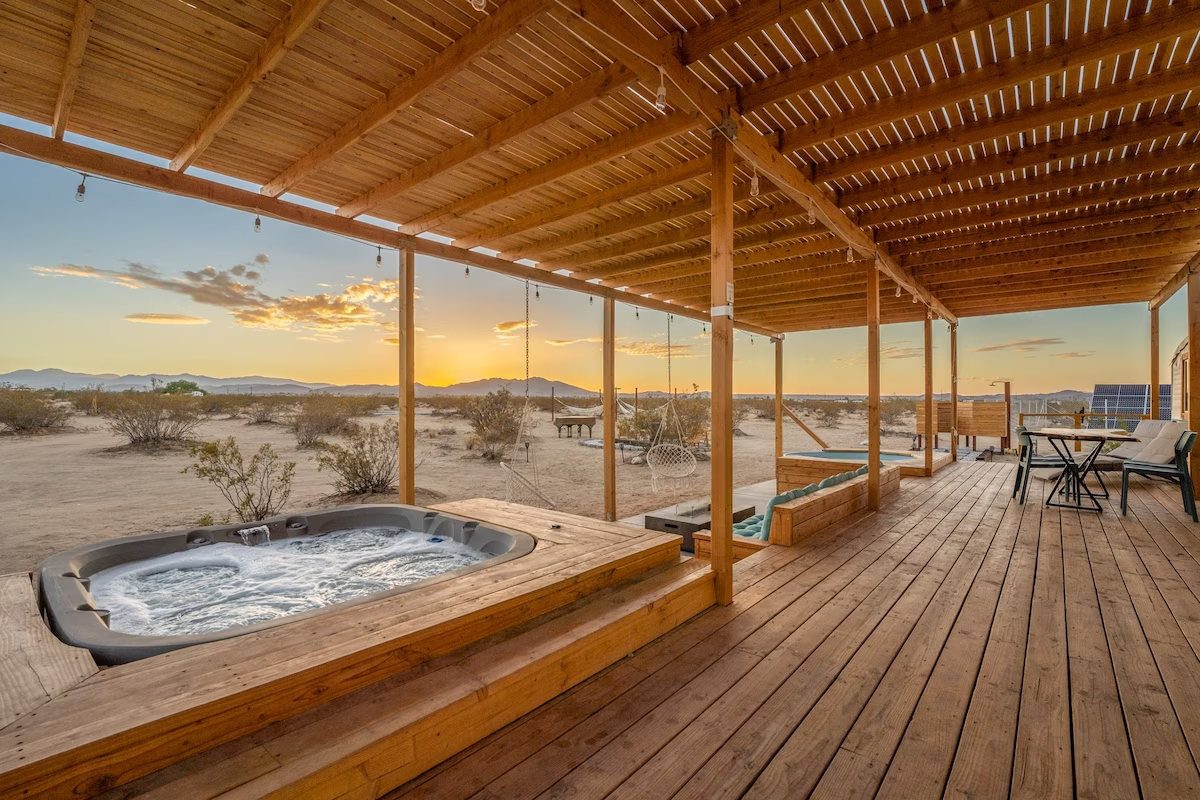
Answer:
(671, 461)
(519, 462)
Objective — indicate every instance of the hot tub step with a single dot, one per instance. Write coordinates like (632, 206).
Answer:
(371, 741)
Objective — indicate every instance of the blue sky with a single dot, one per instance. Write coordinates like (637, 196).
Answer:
(319, 310)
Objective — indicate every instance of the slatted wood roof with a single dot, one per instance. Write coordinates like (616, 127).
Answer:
(990, 156)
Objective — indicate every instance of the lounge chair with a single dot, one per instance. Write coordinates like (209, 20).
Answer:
(1176, 472)
(1029, 460)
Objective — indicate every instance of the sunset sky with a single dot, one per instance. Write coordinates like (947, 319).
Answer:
(135, 281)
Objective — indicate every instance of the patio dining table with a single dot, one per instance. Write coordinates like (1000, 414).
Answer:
(1072, 482)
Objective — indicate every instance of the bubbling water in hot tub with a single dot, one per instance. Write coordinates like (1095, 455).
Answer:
(224, 585)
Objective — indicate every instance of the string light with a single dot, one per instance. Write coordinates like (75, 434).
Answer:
(537, 292)
(636, 313)
(752, 340)
(849, 255)
(897, 291)
(466, 272)
(257, 224)
(704, 328)
(914, 299)
(479, 5)
(754, 182)
(660, 98)
(379, 258)
(81, 189)
(812, 213)
(591, 300)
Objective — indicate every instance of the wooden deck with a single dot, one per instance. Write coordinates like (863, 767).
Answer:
(956, 644)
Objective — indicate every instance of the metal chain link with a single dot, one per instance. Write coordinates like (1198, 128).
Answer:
(526, 340)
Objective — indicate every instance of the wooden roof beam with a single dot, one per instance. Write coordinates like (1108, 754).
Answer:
(905, 36)
(1164, 83)
(81, 29)
(298, 19)
(609, 80)
(499, 235)
(690, 233)
(644, 135)
(1016, 264)
(1097, 197)
(1089, 224)
(744, 19)
(1176, 282)
(108, 165)
(1020, 158)
(1158, 24)
(692, 278)
(636, 45)
(693, 206)
(1105, 171)
(492, 29)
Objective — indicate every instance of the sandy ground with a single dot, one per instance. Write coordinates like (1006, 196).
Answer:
(64, 489)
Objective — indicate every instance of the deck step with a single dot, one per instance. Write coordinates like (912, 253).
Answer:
(365, 744)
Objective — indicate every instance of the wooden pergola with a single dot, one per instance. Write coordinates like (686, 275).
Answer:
(773, 166)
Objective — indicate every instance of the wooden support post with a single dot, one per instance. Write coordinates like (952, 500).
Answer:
(1007, 443)
(405, 407)
(954, 391)
(930, 411)
(1155, 410)
(873, 465)
(778, 396)
(610, 411)
(552, 414)
(1193, 374)
(722, 366)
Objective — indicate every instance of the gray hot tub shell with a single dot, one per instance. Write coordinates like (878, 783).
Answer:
(74, 617)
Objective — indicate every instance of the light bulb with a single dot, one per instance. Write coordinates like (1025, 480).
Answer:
(660, 97)
(637, 314)
(849, 255)
(812, 215)
(591, 300)
(378, 257)
(704, 329)
(752, 339)
(914, 299)
(754, 183)
(479, 5)
(81, 190)
(466, 272)
(537, 292)
(897, 291)
(257, 224)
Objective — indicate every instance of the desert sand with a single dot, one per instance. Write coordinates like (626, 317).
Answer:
(65, 489)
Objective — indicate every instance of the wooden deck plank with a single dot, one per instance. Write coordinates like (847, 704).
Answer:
(510, 764)
(35, 667)
(810, 656)
(1103, 759)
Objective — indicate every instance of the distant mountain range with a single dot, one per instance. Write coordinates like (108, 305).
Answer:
(258, 384)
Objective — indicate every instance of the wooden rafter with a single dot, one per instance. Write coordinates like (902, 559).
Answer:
(695, 254)
(636, 47)
(500, 234)
(1176, 281)
(1159, 24)
(490, 30)
(922, 30)
(299, 18)
(742, 20)
(81, 29)
(610, 79)
(108, 165)
(1054, 112)
(602, 151)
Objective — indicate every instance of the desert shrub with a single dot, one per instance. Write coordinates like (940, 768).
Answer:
(643, 425)
(264, 411)
(640, 426)
(369, 461)
(26, 410)
(319, 415)
(92, 400)
(150, 419)
(181, 387)
(254, 491)
(827, 412)
(893, 410)
(496, 420)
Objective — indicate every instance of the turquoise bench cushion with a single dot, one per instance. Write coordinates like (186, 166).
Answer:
(861, 470)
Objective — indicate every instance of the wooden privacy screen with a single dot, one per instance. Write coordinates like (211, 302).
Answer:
(974, 419)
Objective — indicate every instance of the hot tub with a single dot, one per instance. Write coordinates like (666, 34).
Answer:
(349, 555)
(797, 470)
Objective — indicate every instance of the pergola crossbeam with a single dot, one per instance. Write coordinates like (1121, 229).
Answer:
(81, 29)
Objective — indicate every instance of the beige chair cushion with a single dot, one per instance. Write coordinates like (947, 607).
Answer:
(1158, 451)
(1146, 431)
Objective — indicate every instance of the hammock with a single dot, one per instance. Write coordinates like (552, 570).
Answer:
(671, 463)
(623, 409)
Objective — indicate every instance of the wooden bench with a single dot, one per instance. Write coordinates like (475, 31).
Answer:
(34, 666)
(798, 519)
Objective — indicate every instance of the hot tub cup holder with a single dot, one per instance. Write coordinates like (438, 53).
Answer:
(103, 613)
(296, 526)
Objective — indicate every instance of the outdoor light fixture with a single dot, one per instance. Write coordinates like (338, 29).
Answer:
(660, 97)
(812, 213)
(466, 272)
(378, 257)
(914, 299)
(849, 255)
(537, 292)
(257, 224)
(897, 291)
(479, 5)
(81, 189)
(754, 182)
(591, 300)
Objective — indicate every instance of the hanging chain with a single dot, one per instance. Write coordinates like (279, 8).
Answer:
(527, 340)
(670, 393)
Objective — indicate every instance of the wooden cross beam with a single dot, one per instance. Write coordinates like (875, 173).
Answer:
(1176, 282)
(637, 48)
(492, 29)
(81, 29)
(299, 18)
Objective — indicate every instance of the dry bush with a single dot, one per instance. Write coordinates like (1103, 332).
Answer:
(827, 412)
(267, 410)
(27, 410)
(92, 400)
(689, 417)
(319, 415)
(254, 491)
(496, 420)
(150, 419)
(893, 410)
(369, 461)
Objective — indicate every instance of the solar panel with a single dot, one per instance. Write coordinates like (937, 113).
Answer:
(1123, 404)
